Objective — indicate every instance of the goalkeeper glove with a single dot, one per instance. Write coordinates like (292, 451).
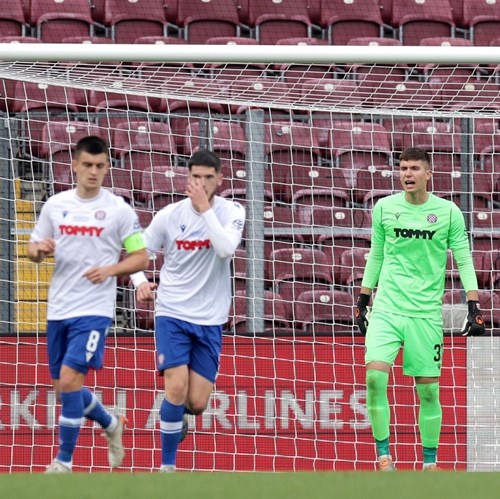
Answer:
(474, 324)
(362, 312)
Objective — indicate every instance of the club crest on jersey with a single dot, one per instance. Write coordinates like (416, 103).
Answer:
(432, 218)
(100, 215)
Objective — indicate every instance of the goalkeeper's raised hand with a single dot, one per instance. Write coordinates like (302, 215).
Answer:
(474, 324)
(361, 312)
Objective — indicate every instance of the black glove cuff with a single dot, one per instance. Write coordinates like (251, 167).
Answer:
(473, 306)
(363, 300)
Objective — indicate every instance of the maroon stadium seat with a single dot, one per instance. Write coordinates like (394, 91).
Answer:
(58, 19)
(12, 18)
(346, 20)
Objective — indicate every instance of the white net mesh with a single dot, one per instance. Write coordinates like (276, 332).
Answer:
(308, 148)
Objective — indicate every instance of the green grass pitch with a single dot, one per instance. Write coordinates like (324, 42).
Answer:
(335, 485)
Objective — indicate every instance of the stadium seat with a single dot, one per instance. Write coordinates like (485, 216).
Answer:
(204, 19)
(336, 217)
(164, 186)
(228, 140)
(158, 70)
(274, 318)
(273, 20)
(182, 112)
(334, 245)
(293, 158)
(486, 265)
(130, 20)
(353, 263)
(38, 103)
(120, 182)
(263, 91)
(59, 139)
(294, 270)
(296, 73)
(325, 312)
(416, 20)
(346, 20)
(88, 39)
(12, 18)
(239, 270)
(113, 108)
(8, 85)
(230, 71)
(58, 19)
(402, 96)
(482, 19)
(377, 72)
(141, 146)
(364, 150)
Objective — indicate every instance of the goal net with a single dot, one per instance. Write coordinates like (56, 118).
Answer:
(309, 140)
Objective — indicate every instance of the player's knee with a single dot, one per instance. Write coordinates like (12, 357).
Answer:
(374, 382)
(428, 393)
(197, 407)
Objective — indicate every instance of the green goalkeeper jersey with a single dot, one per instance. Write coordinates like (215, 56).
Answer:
(407, 259)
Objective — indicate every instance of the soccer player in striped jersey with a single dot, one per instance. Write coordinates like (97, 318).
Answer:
(84, 229)
(411, 234)
(199, 236)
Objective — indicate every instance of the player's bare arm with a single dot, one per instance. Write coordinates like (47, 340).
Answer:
(134, 262)
(38, 251)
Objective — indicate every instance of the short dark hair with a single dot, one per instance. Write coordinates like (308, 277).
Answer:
(415, 154)
(93, 145)
(204, 157)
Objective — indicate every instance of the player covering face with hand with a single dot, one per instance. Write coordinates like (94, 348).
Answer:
(199, 236)
(411, 234)
(84, 229)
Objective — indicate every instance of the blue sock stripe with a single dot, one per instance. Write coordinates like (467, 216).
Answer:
(168, 427)
(70, 422)
(171, 416)
(88, 407)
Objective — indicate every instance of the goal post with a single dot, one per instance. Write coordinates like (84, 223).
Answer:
(309, 140)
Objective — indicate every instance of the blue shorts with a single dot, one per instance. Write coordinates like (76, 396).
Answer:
(180, 343)
(77, 342)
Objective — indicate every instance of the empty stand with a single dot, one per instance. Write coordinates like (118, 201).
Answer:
(364, 150)
(295, 270)
(114, 108)
(38, 103)
(12, 18)
(263, 90)
(353, 263)
(58, 19)
(130, 20)
(346, 20)
(275, 316)
(334, 245)
(482, 18)
(142, 146)
(325, 312)
(294, 159)
(8, 85)
(204, 19)
(296, 73)
(273, 20)
(416, 19)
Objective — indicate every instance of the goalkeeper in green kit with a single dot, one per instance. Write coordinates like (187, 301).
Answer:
(411, 234)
